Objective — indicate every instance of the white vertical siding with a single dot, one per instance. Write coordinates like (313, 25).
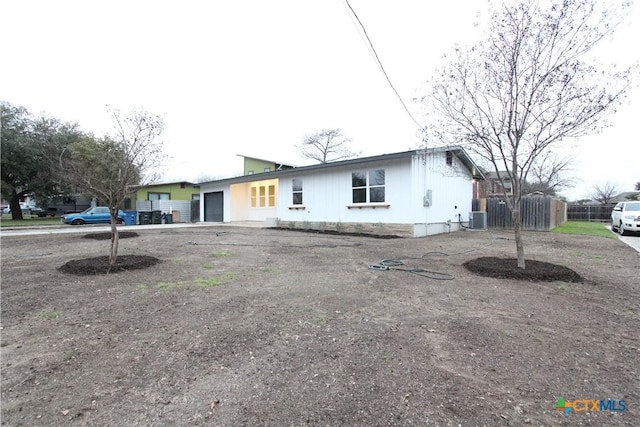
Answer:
(327, 194)
(451, 192)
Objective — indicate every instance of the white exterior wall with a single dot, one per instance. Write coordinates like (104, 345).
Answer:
(326, 195)
(236, 199)
(226, 198)
(238, 202)
(451, 193)
(259, 213)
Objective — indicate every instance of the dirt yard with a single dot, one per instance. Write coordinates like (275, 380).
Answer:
(247, 327)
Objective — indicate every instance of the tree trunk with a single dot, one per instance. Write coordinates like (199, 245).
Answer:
(113, 254)
(14, 204)
(517, 228)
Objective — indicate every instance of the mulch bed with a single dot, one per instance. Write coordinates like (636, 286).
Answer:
(100, 265)
(107, 235)
(535, 271)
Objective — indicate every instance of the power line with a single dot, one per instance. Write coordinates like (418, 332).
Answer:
(377, 59)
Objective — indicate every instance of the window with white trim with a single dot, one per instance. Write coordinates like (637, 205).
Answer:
(368, 186)
(158, 196)
(271, 194)
(263, 196)
(296, 186)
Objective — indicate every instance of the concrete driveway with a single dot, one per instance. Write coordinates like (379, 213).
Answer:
(633, 240)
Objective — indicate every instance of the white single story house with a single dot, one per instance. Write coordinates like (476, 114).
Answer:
(412, 193)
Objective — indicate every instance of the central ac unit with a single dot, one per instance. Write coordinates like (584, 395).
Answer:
(478, 220)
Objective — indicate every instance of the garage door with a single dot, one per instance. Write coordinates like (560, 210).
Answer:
(213, 207)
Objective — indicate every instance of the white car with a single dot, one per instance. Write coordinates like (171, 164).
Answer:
(626, 217)
(23, 207)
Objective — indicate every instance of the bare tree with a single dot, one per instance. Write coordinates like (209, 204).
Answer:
(527, 88)
(110, 167)
(548, 175)
(328, 145)
(603, 194)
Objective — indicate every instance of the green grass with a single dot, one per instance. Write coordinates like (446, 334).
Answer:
(168, 286)
(50, 314)
(28, 221)
(214, 281)
(584, 228)
(270, 270)
(220, 254)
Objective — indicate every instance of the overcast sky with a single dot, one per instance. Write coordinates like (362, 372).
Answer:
(253, 77)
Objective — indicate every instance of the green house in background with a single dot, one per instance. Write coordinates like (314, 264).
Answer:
(253, 165)
(181, 190)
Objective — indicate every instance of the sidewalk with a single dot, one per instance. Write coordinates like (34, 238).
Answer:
(62, 228)
(633, 241)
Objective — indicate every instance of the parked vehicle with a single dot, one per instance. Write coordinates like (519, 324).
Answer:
(626, 217)
(25, 208)
(35, 210)
(43, 213)
(97, 215)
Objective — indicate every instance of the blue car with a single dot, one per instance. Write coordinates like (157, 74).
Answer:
(97, 215)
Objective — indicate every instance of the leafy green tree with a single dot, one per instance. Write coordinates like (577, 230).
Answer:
(110, 167)
(30, 147)
(528, 87)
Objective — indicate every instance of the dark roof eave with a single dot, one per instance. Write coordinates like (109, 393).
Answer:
(460, 152)
(164, 183)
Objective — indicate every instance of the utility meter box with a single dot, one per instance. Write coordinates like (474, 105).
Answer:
(427, 199)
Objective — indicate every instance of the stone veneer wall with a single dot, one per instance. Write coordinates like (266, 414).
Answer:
(400, 230)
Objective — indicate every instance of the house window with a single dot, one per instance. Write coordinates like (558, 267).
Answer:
(159, 196)
(267, 169)
(297, 191)
(368, 186)
(249, 172)
(263, 196)
(272, 195)
(449, 155)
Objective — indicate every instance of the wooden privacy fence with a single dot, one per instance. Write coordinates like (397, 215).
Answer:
(595, 213)
(540, 213)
